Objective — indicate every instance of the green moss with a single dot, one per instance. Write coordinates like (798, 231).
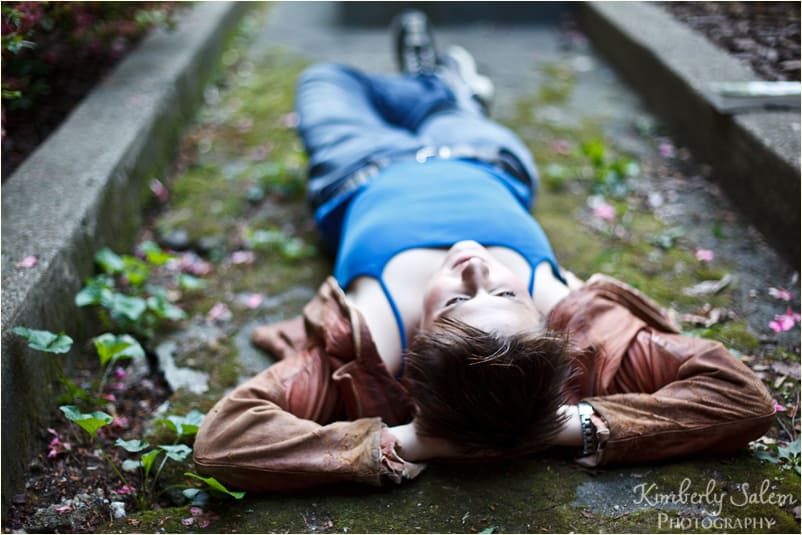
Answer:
(735, 334)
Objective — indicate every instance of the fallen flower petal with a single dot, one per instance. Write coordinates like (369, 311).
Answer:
(242, 257)
(254, 300)
(187, 521)
(61, 509)
(159, 190)
(27, 262)
(219, 312)
(780, 293)
(290, 120)
(778, 407)
(704, 255)
(561, 146)
(605, 211)
(126, 489)
(120, 373)
(195, 511)
(666, 150)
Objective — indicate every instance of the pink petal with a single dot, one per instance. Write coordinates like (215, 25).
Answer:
(27, 262)
(219, 312)
(290, 120)
(666, 150)
(780, 293)
(776, 327)
(120, 422)
(561, 146)
(242, 257)
(61, 509)
(109, 397)
(791, 314)
(52, 453)
(604, 211)
(159, 190)
(705, 255)
(120, 373)
(778, 407)
(126, 489)
(195, 511)
(187, 521)
(254, 300)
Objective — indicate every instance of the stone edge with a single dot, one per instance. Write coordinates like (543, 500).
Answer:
(754, 156)
(135, 117)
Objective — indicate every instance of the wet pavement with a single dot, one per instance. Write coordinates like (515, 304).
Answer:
(238, 176)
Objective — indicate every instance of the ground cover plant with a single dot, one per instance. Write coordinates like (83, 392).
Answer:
(44, 44)
(232, 244)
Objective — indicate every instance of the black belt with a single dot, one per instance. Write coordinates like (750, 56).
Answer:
(502, 159)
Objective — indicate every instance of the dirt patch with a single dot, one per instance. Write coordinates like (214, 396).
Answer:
(764, 35)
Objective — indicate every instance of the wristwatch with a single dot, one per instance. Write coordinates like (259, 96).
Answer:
(588, 429)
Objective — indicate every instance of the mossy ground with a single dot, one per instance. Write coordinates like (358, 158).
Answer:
(240, 173)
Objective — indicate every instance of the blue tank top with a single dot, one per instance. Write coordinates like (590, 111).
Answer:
(433, 205)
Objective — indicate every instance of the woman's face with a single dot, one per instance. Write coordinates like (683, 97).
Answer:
(474, 287)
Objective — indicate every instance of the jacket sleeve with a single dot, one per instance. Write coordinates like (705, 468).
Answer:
(284, 429)
(658, 394)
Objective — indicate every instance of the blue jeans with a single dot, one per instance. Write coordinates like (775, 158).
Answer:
(349, 120)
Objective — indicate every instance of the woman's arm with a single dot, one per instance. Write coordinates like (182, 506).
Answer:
(656, 394)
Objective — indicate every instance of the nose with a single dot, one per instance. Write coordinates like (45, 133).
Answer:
(475, 273)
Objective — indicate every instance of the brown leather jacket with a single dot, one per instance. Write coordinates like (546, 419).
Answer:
(320, 414)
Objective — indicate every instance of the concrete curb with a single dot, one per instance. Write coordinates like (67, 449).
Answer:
(84, 188)
(754, 156)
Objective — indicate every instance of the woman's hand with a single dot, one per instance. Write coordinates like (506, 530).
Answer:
(571, 432)
(413, 447)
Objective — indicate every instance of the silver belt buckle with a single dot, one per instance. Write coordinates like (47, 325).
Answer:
(424, 154)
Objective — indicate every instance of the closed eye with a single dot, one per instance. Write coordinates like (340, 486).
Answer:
(506, 293)
(455, 300)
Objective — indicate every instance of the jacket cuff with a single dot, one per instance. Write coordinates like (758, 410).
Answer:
(392, 465)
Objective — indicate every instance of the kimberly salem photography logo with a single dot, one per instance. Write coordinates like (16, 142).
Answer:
(709, 500)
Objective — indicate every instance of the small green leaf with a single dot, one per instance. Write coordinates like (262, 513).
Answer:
(148, 459)
(155, 254)
(96, 291)
(131, 465)
(45, 340)
(164, 309)
(183, 425)
(179, 452)
(132, 446)
(190, 282)
(74, 391)
(109, 261)
(111, 348)
(135, 271)
(88, 422)
(216, 485)
(128, 306)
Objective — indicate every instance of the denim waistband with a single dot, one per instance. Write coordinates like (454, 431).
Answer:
(500, 158)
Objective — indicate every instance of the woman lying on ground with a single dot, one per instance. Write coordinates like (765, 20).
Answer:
(448, 330)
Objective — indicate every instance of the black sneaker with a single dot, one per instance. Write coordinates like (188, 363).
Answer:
(414, 43)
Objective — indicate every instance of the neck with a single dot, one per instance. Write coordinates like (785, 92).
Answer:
(406, 276)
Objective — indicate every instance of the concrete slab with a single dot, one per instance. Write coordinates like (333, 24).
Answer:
(84, 188)
(547, 494)
(755, 155)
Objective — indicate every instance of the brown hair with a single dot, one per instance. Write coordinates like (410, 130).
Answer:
(485, 391)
